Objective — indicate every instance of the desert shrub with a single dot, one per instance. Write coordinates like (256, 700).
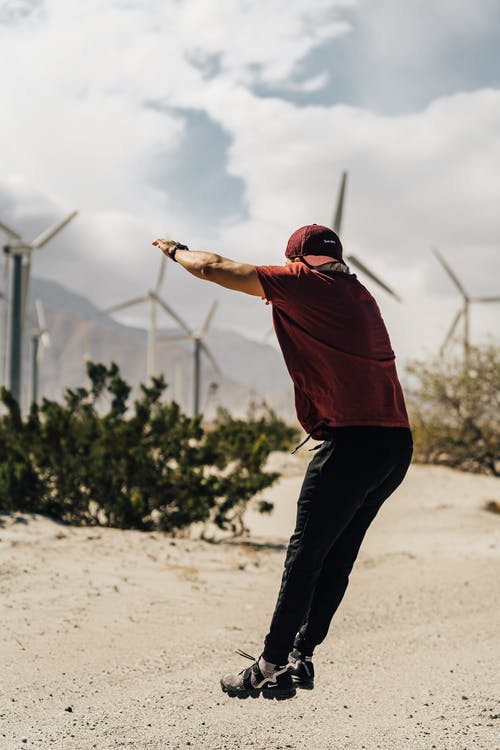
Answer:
(455, 410)
(242, 447)
(95, 459)
(19, 478)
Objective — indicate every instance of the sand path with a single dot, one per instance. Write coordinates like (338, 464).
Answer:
(116, 639)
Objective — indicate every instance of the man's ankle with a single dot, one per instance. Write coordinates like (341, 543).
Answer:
(266, 667)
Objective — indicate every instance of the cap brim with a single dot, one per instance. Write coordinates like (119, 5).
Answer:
(318, 260)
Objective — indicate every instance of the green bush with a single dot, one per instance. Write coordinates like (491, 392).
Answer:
(242, 447)
(455, 410)
(95, 460)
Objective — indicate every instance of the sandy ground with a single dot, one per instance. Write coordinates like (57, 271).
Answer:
(113, 639)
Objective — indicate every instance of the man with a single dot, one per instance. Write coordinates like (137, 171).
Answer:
(347, 394)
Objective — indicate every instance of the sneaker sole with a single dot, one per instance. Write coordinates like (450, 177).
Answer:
(268, 694)
(302, 684)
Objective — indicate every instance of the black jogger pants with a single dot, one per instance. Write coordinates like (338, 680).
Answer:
(346, 482)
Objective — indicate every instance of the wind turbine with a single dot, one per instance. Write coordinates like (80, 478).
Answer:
(20, 252)
(39, 336)
(153, 297)
(3, 337)
(352, 259)
(199, 346)
(464, 311)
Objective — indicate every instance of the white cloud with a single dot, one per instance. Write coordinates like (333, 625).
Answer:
(259, 42)
(410, 51)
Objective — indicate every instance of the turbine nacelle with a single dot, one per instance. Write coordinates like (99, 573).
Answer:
(16, 247)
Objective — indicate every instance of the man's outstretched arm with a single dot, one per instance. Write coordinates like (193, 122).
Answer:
(242, 277)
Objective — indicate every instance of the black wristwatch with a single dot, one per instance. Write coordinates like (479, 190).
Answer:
(173, 250)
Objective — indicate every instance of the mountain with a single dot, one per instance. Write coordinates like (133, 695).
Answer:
(79, 331)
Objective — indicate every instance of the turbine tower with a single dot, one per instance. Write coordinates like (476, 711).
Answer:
(20, 252)
(153, 297)
(39, 336)
(463, 312)
(197, 337)
(3, 337)
(352, 259)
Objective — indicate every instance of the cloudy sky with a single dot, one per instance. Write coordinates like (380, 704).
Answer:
(226, 124)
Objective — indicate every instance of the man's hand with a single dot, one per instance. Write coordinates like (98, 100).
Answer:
(165, 245)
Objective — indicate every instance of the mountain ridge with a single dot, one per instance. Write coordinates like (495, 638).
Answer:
(79, 331)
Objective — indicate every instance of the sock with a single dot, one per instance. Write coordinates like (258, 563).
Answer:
(265, 667)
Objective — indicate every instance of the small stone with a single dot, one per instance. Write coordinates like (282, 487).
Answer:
(69, 710)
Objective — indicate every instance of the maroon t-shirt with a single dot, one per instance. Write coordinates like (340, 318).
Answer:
(336, 348)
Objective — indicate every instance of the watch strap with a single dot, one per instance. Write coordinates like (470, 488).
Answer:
(173, 250)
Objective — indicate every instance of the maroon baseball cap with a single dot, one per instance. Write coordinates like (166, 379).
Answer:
(314, 244)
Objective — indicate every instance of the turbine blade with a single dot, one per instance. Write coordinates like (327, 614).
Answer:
(161, 273)
(25, 281)
(361, 266)
(485, 299)
(211, 357)
(173, 314)
(209, 318)
(47, 235)
(42, 324)
(10, 232)
(43, 343)
(339, 210)
(5, 276)
(452, 329)
(450, 273)
(123, 305)
(40, 315)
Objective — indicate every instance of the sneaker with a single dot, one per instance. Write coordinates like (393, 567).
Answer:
(301, 670)
(250, 682)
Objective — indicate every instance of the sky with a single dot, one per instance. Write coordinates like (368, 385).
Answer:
(227, 124)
